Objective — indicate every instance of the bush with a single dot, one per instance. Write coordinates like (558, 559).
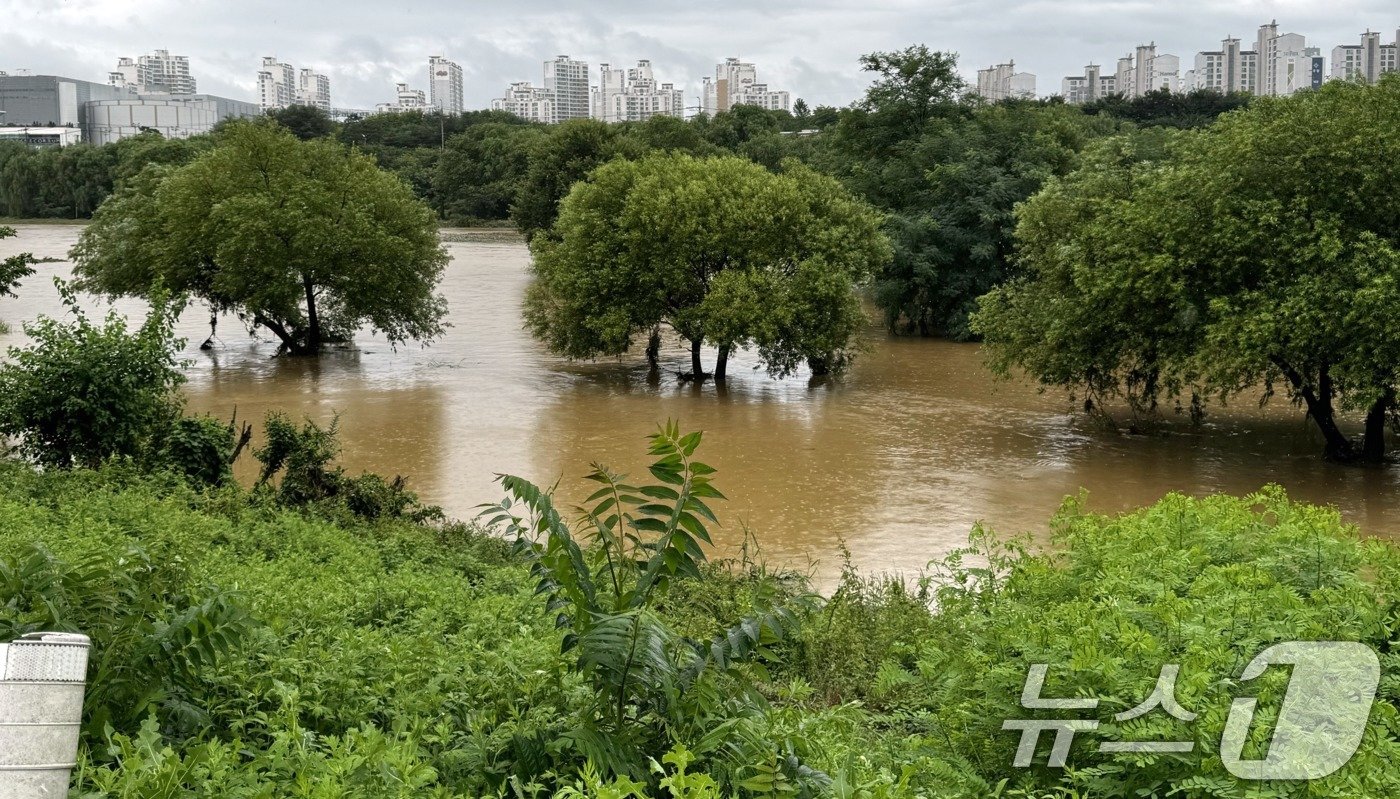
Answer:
(13, 269)
(1207, 584)
(303, 458)
(83, 392)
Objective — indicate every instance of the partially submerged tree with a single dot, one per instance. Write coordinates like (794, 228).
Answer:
(1263, 251)
(308, 240)
(719, 249)
(15, 268)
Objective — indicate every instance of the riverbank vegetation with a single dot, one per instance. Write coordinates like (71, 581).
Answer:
(245, 647)
(1191, 253)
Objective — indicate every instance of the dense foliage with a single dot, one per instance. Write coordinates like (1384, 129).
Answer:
(83, 392)
(720, 250)
(1261, 251)
(305, 239)
(245, 649)
(71, 182)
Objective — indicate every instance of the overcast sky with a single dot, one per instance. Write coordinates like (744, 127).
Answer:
(809, 48)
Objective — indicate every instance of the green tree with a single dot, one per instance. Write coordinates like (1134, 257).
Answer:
(133, 154)
(1261, 252)
(82, 392)
(718, 249)
(308, 240)
(1165, 108)
(912, 87)
(566, 155)
(952, 195)
(15, 268)
(480, 172)
(306, 122)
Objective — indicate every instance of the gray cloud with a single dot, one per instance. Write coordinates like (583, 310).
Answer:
(809, 48)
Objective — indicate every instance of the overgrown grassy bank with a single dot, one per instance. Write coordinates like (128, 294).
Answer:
(248, 650)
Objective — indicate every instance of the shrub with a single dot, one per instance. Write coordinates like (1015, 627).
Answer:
(303, 457)
(652, 687)
(83, 392)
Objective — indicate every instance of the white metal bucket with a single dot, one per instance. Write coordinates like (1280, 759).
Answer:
(42, 677)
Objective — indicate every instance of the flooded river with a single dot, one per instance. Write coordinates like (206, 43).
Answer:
(898, 459)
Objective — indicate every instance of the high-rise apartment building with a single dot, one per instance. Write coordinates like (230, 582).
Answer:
(281, 85)
(633, 95)
(405, 99)
(1087, 88)
(277, 84)
(568, 80)
(1145, 70)
(445, 85)
(157, 73)
(529, 102)
(1227, 70)
(1003, 82)
(314, 89)
(1367, 61)
(736, 83)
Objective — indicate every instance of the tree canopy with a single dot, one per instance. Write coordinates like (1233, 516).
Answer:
(304, 121)
(1263, 251)
(308, 240)
(719, 249)
(481, 170)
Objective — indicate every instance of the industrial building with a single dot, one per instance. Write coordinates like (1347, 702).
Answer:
(101, 113)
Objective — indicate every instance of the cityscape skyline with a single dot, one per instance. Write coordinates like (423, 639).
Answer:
(809, 49)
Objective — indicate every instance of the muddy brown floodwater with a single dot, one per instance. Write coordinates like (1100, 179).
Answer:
(898, 460)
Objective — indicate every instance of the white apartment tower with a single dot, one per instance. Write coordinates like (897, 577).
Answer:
(314, 89)
(736, 83)
(529, 102)
(634, 96)
(277, 84)
(280, 85)
(1145, 70)
(1086, 88)
(405, 99)
(1003, 82)
(568, 80)
(1367, 61)
(445, 85)
(157, 73)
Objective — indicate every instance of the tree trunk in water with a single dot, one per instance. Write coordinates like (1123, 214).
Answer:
(289, 342)
(697, 370)
(654, 347)
(1319, 406)
(722, 363)
(313, 322)
(1373, 447)
(820, 366)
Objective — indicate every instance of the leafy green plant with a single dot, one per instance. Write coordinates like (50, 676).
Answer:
(652, 686)
(151, 639)
(84, 392)
(15, 268)
(304, 458)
